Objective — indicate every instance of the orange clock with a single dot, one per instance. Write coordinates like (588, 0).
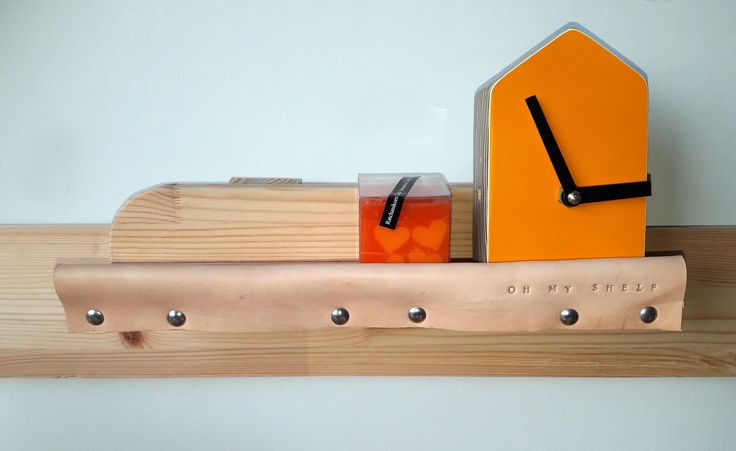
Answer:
(561, 154)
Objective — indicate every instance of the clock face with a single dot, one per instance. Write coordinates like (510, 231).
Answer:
(565, 173)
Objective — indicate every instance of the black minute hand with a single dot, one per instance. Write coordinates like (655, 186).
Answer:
(573, 195)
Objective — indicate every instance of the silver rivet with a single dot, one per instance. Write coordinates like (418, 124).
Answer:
(569, 316)
(95, 317)
(340, 316)
(176, 318)
(573, 198)
(648, 314)
(417, 314)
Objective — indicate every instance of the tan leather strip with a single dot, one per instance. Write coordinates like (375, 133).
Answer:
(608, 294)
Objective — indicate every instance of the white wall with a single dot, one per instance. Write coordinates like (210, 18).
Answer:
(371, 413)
(100, 99)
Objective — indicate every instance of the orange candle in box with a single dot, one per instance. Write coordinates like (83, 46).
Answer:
(404, 218)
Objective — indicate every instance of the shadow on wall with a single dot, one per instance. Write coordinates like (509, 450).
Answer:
(666, 206)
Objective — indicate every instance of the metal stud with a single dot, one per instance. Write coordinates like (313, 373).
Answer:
(340, 316)
(573, 198)
(569, 316)
(417, 314)
(95, 317)
(176, 318)
(648, 314)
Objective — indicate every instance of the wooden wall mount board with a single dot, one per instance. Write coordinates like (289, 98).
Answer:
(608, 295)
(34, 340)
(710, 252)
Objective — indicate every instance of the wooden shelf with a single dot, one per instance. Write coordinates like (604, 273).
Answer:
(34, 340)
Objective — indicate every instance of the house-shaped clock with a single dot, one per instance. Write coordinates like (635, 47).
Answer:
(560, 154)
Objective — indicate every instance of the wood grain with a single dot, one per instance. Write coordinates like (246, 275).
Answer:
(34, 341)
(255, 222)
(264, 180)
(710, 253)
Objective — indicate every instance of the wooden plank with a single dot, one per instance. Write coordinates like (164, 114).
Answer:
(28, 302)
(234, 222)
(241, 222)
(34, 341)
(264, 180)
(710, 252)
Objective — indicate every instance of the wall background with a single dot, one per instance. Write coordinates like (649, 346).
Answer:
(101, 99)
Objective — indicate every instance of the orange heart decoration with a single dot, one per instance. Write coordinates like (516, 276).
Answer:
(419, 256)
(390, 240)
(432, 236)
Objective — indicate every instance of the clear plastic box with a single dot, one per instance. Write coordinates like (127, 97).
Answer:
(404, 218)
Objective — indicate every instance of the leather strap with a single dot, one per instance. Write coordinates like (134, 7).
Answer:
(608, 295)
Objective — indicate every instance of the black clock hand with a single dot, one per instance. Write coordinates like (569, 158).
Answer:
(616, 191)
(553, 150)
(573, 195)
